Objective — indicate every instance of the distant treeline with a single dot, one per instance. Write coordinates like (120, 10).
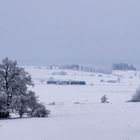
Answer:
(123, 66)
(81, 68)
(77, 67)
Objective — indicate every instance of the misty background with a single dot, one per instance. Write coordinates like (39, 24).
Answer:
(44, 32)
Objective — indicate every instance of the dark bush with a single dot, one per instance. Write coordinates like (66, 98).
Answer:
(4, 115)
(40, 111)
(104, 99)
(136, 96)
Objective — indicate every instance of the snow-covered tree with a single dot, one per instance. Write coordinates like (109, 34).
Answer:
(25, 104)
(14, 81)
(15, 95)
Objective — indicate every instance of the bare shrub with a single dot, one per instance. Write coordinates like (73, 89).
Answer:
(136, 96)
(104, 99)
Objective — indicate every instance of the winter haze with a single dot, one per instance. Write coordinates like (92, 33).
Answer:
(63, 86)
(74, 31)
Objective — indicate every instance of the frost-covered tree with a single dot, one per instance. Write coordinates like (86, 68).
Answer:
(14, 82)
(25, 103)
(20, 105)
(15, 95)
(32, 102)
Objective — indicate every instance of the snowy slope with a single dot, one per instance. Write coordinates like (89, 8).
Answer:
(120, 91)
(77, 113)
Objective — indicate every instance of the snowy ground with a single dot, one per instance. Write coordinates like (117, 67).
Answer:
(77, 113)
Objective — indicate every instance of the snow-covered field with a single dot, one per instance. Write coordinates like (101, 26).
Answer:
(76, 111)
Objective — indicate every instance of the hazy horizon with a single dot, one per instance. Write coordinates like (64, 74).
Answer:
(70, 32)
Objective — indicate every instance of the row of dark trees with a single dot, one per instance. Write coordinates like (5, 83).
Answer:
(15, 96)
(123, 66)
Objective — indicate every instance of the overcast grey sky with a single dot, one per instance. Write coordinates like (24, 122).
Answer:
(70, 31)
